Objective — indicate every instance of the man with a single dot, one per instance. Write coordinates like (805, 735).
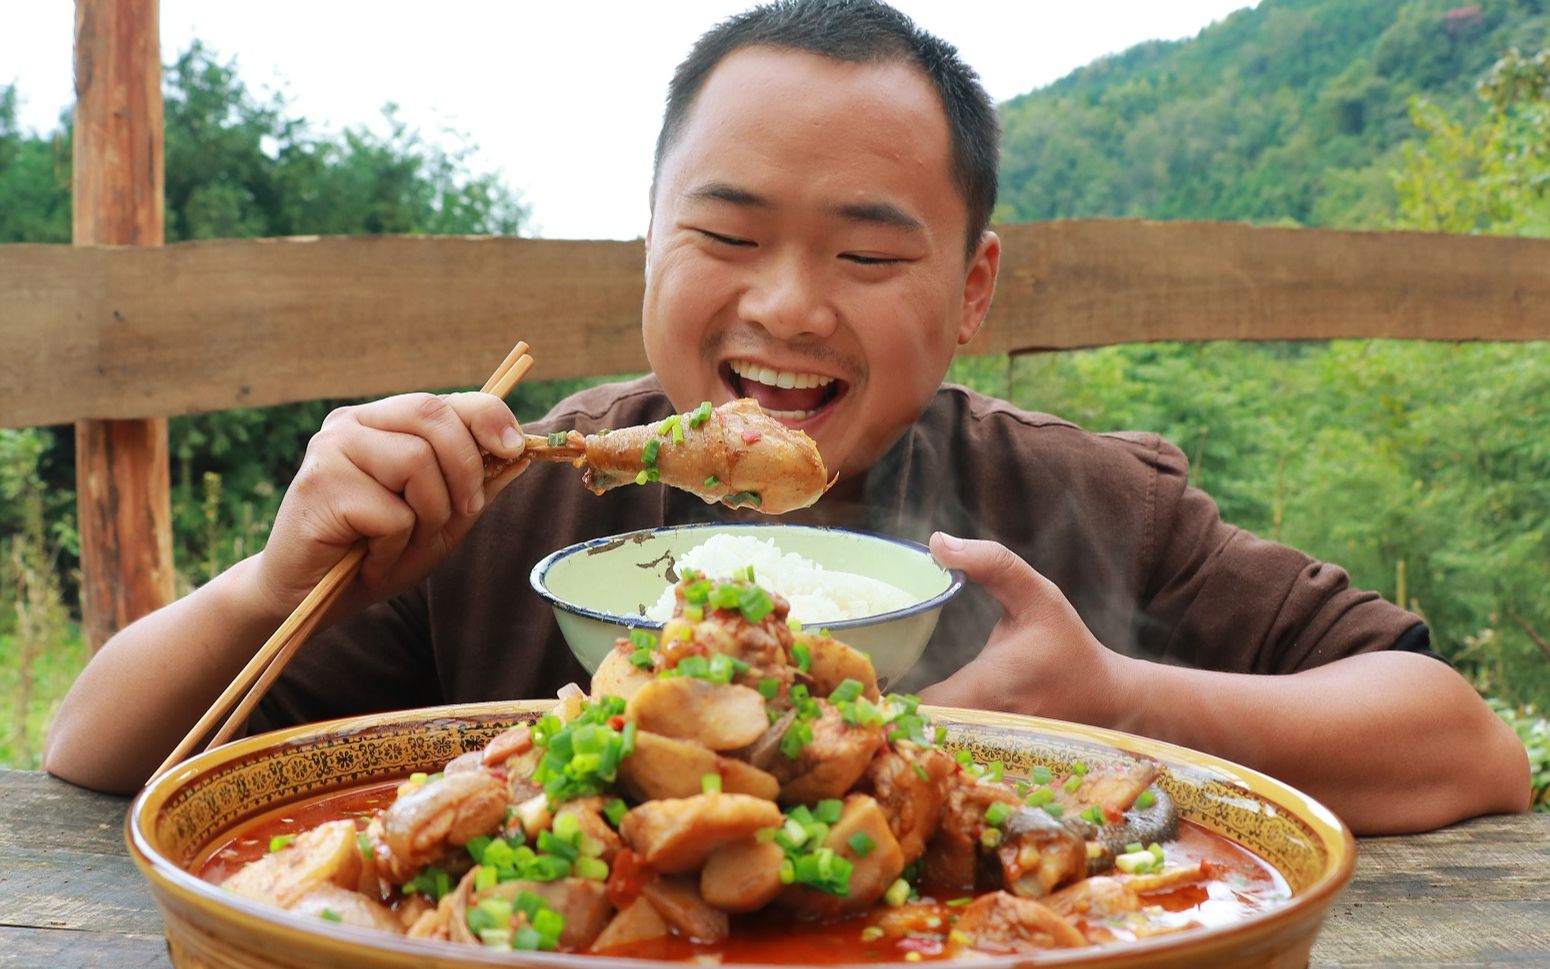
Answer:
(818, 241)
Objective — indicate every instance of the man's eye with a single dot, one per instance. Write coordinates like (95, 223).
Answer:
(861, 260)
(724, 240)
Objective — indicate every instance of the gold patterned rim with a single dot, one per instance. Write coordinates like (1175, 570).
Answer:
(183, 811)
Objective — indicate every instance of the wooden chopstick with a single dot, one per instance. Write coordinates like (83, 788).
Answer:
(271, 658)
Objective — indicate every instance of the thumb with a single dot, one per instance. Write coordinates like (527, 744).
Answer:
(1022, 592)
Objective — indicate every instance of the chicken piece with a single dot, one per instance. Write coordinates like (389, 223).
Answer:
(871, 873)
(750, 458)
(329, 901)
(1100, 897)
(1111, 788)
(679, 903)
(507, 744)
(676, 835)
(911, 803)
(722, 717)
(1002, 922)
(834, 662)
(668, 767)
(431, 819)
(617, 676)
(583, 903)
(952, 857)
(743, 876)
(637, 922)
(328, 854)
(834, 760)
(1038, 854)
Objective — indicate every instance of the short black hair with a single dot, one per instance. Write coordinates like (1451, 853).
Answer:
(857, 31)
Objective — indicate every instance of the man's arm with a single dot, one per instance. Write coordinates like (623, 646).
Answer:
(404, 475)
(1391, 741)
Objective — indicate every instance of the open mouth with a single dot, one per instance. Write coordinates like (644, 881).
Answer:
(791, 396)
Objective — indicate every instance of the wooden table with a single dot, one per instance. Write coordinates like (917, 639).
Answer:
(1476, 894)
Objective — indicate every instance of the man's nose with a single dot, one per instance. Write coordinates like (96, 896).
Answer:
(789, 299)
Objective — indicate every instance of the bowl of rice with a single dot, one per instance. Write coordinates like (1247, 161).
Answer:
(878, 594)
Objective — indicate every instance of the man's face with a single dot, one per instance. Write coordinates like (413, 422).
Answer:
(807, 249)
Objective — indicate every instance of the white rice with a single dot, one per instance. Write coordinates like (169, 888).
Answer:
(817, 595)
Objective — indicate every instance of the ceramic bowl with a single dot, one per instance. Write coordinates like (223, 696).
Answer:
(187, 813)
(600, 589)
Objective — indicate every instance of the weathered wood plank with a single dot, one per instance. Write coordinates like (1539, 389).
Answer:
(122, 486)
(1472, 894)
(1101, 282)
(202, 326)
(81, 950)
(209, 325)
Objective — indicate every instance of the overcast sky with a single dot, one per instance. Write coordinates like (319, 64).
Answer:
(563, 100)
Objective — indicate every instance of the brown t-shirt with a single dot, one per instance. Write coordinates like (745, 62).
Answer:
(1145, 559)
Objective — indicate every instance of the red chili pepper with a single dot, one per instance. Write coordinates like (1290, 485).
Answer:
(628, 876)
(751, 435)
(616, 721)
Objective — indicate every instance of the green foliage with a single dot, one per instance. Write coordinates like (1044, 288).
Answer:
(1493, 176)
(1291, 111)
(1534, 731)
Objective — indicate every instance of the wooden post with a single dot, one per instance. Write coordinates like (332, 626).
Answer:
(122, 478)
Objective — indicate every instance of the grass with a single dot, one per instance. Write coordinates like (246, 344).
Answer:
(53, 670)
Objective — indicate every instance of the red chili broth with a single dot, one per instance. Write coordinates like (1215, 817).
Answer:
(1240, 884)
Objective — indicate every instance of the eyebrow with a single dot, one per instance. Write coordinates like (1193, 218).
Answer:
(876, 213)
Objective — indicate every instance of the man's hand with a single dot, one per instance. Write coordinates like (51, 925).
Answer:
(1040, 659)
(405, 474)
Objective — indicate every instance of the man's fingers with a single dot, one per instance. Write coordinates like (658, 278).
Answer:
(490, 421)
(1012, 582)
(435, 420)
(404, 464)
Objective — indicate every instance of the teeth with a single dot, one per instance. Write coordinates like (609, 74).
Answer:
(787, 379)
(791, 415)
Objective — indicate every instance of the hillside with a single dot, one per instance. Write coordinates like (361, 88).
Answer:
(1289, 112)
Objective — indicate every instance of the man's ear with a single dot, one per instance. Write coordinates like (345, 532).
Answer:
(979, 285)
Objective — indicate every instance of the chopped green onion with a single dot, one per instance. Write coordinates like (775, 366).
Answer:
(744, 498)
(1093, 814)
(280, 841)
(648, 453)
(1039, 797)
(997, 813)
(769, 687)
(861, 843)
(641, 478)
(1055, 809)
(1079, 768)
(1146, 800)
(418, 777)
(329, 915)
(829, 810)
(872, 933)
(712, 481)
(1040, 775)
(920, 771)
(592, 869)
(710, 783)
(641, 659)
(364, 844)
(847, 691)
(566, 826)
(558, 439)
(1072, 783)
(615, 810)
(959, 902)
(898, 893)
(990, 837)
(802, 655)
(485, 876)
(964, 758)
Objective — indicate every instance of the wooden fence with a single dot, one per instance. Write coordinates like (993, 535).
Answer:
(118, 333)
